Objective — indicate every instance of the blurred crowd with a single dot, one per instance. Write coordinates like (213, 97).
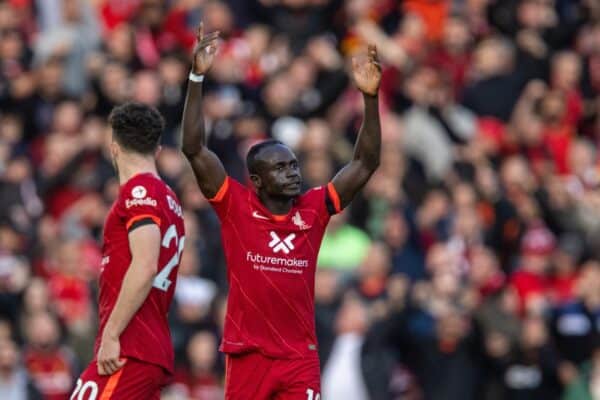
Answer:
(468, 268)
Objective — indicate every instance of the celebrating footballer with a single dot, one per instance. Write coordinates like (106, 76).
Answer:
(271, 235)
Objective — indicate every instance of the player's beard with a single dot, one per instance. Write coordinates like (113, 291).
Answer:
(283, 197)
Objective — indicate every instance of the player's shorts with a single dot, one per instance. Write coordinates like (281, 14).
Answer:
(136, 380)
(253, 376)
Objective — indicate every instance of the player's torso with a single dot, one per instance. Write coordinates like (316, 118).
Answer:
(142, 196)
(116, 255)
(271, 267)
(281, 251)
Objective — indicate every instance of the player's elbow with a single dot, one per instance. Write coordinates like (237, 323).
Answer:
(374, 164)
(145, 270)
(192, 151)
(369, 165)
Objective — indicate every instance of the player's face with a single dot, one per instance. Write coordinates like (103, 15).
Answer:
(280, 175)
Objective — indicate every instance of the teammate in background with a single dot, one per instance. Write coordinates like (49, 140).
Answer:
(143, 240)
(271, 238)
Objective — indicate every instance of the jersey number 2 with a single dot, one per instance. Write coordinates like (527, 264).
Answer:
(161, 281)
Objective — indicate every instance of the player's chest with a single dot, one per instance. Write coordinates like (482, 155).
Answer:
(299, 231)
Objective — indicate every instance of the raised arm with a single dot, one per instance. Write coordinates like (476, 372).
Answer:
(207, 167)
(354, 175)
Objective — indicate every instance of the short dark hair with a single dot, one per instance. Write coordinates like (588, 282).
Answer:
(137, 127)
(251, 161)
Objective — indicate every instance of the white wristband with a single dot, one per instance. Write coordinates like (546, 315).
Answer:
(195, 78)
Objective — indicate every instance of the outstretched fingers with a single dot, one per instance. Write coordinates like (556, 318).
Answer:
(210, 37)
(203, 40)
(372, 55)
(200, 33)
(212, 49)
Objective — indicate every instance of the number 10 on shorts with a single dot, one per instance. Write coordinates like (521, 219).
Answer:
(89, 388)
(310, 395)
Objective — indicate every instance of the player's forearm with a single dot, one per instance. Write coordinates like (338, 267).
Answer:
(134, 290)
(368, 144)
(194, 137)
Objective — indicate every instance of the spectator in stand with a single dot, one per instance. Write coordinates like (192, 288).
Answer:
(574, 324)
(530, 280)
(15, 382)
(587, 384)
(344, 246)
(201, 375)
(50, 364)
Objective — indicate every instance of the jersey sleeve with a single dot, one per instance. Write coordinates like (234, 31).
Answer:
(139, 205)
(230, 192)
(332, 200)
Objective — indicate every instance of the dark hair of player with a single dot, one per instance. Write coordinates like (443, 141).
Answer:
(252, 159)
(137, 127)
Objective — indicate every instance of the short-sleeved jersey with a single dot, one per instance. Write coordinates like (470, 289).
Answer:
(144, 199)
(271, 263)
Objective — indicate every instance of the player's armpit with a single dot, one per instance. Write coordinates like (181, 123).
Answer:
(221, 192)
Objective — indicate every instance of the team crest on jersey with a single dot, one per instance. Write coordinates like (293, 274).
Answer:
(139, 192)
(299, 222)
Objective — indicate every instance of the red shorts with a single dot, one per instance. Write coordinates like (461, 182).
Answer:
(254, 376)
(135, 380)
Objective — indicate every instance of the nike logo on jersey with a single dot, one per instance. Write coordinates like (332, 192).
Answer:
(286, 245)
(256, 214)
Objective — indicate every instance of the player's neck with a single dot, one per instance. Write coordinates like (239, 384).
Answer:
(133, 164)
(276, 205)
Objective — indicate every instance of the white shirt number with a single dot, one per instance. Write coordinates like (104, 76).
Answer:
(161, 281)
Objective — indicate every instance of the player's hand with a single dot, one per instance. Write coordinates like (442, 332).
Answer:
(204, 51)
(366, 72)
(108, 360)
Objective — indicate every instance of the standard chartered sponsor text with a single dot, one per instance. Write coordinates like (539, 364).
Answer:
(277, 269)
(276, 261)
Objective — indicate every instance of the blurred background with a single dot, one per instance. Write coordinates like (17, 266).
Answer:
(468, 268)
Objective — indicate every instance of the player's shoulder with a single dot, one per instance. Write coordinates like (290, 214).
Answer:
(143, 189)
(232, 186)
(316, 193)
(236, 185)
(322, 198)
(142, 184)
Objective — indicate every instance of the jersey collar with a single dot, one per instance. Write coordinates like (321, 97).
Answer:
(263, 212)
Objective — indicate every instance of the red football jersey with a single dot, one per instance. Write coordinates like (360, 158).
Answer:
(145, 198)
(271, 263)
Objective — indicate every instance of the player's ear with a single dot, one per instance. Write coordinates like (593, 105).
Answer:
(256, 181)
(114, 149)
(157, 151)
